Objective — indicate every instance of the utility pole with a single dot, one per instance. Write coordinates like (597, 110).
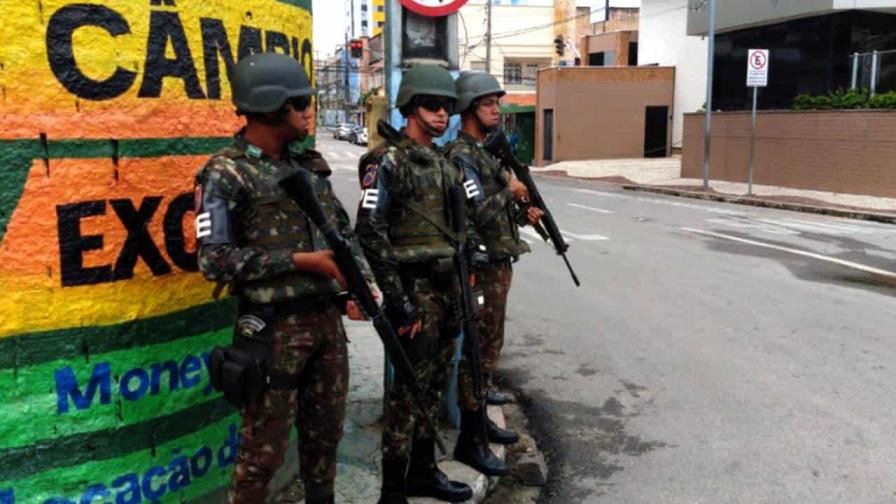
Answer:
(709, 74)
(488, 36)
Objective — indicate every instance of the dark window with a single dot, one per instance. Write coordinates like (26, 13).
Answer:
(809, 55)
(364, 7)
(548, 135)
(632, 54)
(596, 59)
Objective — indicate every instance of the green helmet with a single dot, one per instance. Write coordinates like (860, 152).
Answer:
(263, 82)
(473, 85)
(425, 80)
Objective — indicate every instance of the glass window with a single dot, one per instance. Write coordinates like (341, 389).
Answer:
(513, 73)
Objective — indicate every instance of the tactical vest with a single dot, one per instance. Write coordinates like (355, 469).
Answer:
(500, 235)
(419, 228)
(273, 221)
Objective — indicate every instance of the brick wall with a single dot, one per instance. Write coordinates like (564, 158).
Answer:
(850, 151)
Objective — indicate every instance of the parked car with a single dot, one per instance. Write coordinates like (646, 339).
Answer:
(361, 136)
(343, 131)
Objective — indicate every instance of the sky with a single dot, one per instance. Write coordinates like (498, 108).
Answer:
(330, 22)
(329, 25)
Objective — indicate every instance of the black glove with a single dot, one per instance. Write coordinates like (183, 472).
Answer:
(477, 256)
(401, 312)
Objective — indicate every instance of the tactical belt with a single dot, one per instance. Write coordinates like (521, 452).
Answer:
(307, 306)
(439, 272)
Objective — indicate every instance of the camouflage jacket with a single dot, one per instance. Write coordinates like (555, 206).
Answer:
(399, 181)
(487, 187)
(248, 228)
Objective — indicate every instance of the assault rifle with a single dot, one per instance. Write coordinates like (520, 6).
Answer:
(497, 144)
(300, 189)
(458, 201)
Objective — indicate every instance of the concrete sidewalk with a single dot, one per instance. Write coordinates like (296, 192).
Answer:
(663, 176)
(358, 479)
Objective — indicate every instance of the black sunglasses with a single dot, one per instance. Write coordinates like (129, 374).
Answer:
(300, 103)
(435, 103)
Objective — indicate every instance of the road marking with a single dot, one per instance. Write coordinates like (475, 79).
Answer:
(584, 207)
(570, 237)
(748, 224)
(531, 232)
(658, 201)
(811, 227)
(584, 237)
(803, 253)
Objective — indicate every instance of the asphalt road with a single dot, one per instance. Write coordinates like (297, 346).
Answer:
(714, 354)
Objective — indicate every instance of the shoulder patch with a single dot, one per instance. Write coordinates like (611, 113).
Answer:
(368, 180)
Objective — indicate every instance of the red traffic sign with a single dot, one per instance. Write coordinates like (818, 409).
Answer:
(433, 8)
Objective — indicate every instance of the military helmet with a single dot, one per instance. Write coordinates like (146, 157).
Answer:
(425, 80)
(263, 82)
(472, 85)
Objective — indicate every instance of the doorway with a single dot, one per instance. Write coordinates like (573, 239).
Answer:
(656, 132)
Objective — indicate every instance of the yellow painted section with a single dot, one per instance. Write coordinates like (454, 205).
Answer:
(30, 252)
(34, 100)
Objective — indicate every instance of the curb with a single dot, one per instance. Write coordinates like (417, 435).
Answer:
(759, 202)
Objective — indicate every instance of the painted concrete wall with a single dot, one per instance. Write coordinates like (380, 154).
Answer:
(849, 151)
(108, 110)
(662, 40)
(599, 113)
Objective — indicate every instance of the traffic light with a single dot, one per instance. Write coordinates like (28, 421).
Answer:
(356, 48)
(559, 45)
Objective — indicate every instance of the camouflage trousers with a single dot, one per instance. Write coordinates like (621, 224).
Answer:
(431, 353)
(314, 347)
(494, 281)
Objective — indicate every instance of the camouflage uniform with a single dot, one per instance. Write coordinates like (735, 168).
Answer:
(487, 184)
(248, 230)
(412, 256)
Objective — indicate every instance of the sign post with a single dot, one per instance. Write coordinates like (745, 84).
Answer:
(757, 76)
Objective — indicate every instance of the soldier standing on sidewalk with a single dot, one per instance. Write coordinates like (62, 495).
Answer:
(496, 196)
(404, 228)
(254, 237)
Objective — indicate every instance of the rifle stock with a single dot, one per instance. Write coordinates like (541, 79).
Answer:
(497, 144)
(299, 188)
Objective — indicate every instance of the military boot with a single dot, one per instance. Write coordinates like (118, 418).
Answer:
(393, 491)
(472, 445)
(498, 435)
(319, 493)
(426, 480)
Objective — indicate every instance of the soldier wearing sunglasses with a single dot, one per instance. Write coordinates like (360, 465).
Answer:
(404, 228)
(255, 239)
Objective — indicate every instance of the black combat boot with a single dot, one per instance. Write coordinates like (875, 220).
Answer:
(393, 491)
(472, 445)
(496, 398)
(426, 480)
(319, 493)
(498, 435)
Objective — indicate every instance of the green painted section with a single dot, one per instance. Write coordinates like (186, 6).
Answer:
(302, 4)
(132, 386)
(176, 470)
(84, 343)
(517, 109)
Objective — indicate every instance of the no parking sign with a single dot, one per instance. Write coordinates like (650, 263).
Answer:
(757, 68)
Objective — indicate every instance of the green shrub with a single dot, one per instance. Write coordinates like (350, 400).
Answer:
(883, 101)
(842, 99)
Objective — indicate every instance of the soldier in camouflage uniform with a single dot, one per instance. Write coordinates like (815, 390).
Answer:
(254, 238)
(405, 230)
(496, 196)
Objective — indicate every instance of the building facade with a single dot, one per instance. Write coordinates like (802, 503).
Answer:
(811, 47)
(663, 40)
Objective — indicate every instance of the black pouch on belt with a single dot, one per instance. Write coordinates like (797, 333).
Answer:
(241, 371)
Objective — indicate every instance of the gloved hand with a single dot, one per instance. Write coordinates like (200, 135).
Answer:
(404, 315)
